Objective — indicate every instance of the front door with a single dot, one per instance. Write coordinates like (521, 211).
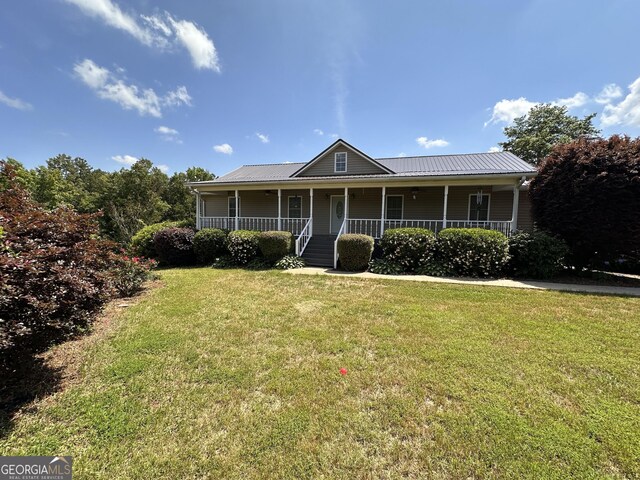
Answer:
(337, 213)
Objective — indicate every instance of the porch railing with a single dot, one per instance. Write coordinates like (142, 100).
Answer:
(366, 226)
(335, 244)
(225, 223)
(293, 225)
(371, 226)
(433, 225)
(303, 239)
(501, 226)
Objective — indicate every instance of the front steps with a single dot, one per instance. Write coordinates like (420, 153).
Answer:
(319, 251)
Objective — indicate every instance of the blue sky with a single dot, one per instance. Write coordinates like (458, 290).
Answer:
(223, 83)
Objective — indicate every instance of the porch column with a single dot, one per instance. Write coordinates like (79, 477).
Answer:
(384, 194)
(237, 212)
(311, 212)
(516, 202)
(198, 214)
(279, 209)
(446, 202)
(346, 207)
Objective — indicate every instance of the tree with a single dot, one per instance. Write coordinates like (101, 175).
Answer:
(532, 136)
(588, 193)
(182, 204)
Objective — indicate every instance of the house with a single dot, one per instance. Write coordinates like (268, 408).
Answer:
(344, 190)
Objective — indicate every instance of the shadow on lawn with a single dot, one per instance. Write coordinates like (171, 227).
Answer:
(31, 380)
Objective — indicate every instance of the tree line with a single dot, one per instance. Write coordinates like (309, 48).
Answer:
(129, 198)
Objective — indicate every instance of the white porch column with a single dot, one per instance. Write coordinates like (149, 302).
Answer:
(237, 212)
(279, 209)
(516, 202)
(446, 203)
(384, 194)
(311, 212)
(198, 214)
(346, 208)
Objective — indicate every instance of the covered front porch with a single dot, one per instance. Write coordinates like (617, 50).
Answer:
(370, 210)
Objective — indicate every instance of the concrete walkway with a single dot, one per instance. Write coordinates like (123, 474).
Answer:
(531, 284)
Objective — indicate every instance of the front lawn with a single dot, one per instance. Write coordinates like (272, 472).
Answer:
(235, 374)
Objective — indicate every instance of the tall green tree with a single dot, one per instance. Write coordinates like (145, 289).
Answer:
(182, 203)
(532, 136)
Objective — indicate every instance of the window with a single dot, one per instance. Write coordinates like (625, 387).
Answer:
(232, 206)
(394, 207)
(295, 207)
(341, 162)
(479, 207)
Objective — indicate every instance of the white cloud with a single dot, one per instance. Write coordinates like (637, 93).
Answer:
(163, 168)
(262, 137)
(627, 111)
(15, 102)
(163, 32)
(609, 92)
(508, 110)
(494, 149)
(578, 100)
(224, 148)
(168, 134)
(318, 132)
(109, 87)
(401, 154)
(334, 135)
(426, 143)
(125, 159)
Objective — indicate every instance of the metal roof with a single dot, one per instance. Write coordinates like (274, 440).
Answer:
(489, 163)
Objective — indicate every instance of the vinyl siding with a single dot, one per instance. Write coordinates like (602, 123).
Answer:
(356, 165)
(525, 218)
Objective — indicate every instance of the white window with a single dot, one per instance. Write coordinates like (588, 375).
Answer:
(341, 162)
(395, 204)
(232, 206)
(295, 207)
(479, 207)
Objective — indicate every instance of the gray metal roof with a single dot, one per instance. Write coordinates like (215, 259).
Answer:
(493, 163)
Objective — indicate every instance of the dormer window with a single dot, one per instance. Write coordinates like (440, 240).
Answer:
(340, 162)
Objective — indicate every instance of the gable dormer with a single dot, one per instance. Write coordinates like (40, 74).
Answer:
(338, 159)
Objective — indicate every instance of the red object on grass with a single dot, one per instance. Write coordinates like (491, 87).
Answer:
(343, 371)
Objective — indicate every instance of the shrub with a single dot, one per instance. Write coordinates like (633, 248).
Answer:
(536, 255)
(385, 267)
(243, 246)
(354, 251)
(208, 244)
(258, 263)
(224, 261)
(473, 252)
(130, 275)
(289, 262)
(175, 246)
(141, 243)
(588, 193)
(435, 268)
(55, 273)
(275, 245)
(408, 247)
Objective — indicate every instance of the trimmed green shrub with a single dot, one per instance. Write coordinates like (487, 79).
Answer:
(354, 251)
(275, 244)
(408, 247)
(383, 266)
(243, 245)
(536, 255)
(435, 268)
(473, 252)
(258, 263)
(175, 246)
(290, 262)
(224, 261)
(142, 242)
(209, 244)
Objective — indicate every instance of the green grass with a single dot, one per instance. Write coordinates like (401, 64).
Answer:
(233, 374)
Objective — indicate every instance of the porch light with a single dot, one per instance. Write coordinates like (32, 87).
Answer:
(414, 192)
(479, 197)
(267, 193)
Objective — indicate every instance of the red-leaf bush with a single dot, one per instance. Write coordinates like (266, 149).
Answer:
(55, 272)
(175, 246)
(588, 193)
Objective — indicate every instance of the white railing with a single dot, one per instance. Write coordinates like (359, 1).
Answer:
(501, 226)
(261, 224)
(294, 225)
(225, 223)
(366, 226)
(433, 225)
(335, 244)
(303, 238)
